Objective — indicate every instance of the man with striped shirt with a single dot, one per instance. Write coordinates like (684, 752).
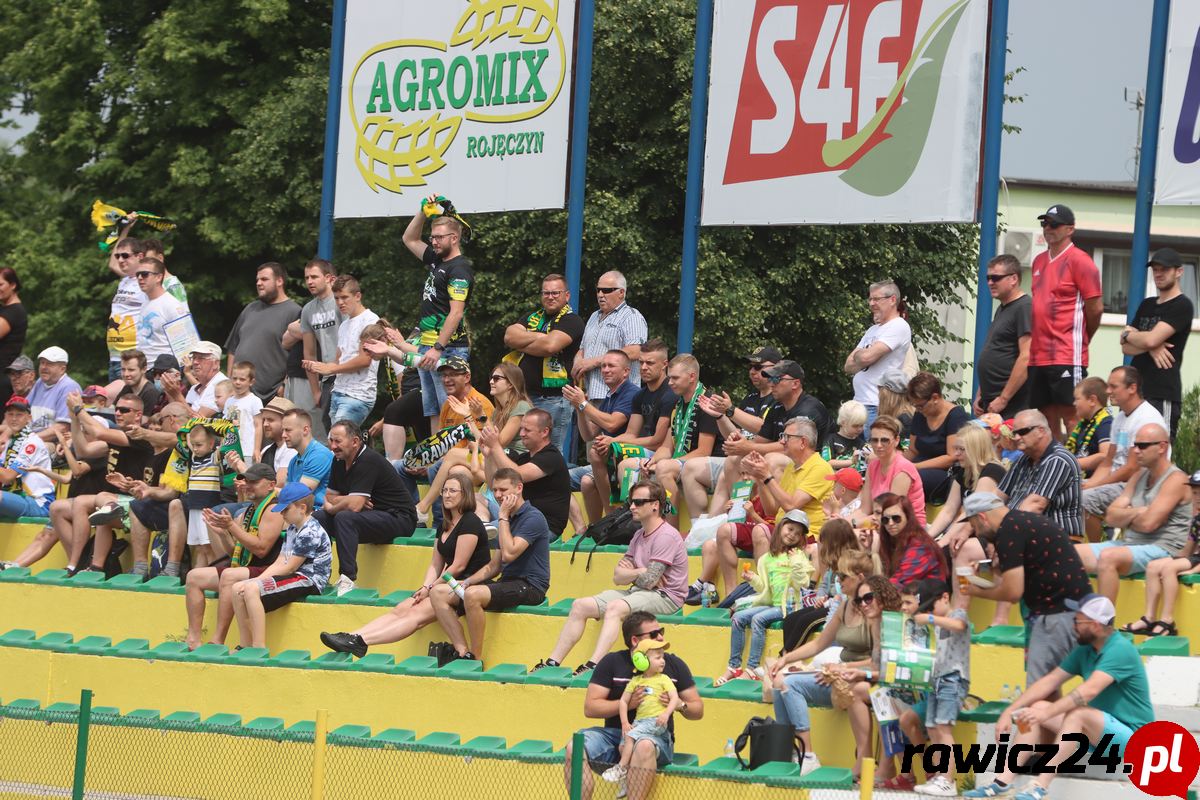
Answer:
(1045, 479)
(615, 325)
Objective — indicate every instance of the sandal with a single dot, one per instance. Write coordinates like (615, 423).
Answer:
(1161, 628)
(730, 675)
(900, 783)
(1147, 625)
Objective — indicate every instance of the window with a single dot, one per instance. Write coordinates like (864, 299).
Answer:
(1114, 278)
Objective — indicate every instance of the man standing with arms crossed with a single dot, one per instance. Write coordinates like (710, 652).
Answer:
(257, 334)
(317, 328)
(1003, 365)
(1067, 304)
(442, 315)
(884, 347)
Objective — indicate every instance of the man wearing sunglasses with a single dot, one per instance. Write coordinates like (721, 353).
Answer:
(127, 301)
(614, 325)
(602, 701)
(160, 308)
(1067, 304)
(1045, 479)
(1004, 359)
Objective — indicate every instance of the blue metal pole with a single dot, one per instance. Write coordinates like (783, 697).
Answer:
(695, 175)
(990, 187)
(333, 115)
(579, 144)
(1144, 204)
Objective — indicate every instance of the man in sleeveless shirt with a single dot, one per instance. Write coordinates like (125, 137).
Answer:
(1155, 509)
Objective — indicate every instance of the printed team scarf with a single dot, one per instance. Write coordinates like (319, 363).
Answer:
(427, 451)
(681, 422)
(175, 476)
(14, 444)
(241, 554)
(1083, 433)
(554, 372)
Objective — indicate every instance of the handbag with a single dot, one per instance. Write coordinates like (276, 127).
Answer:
(769, 741)
(443, 652)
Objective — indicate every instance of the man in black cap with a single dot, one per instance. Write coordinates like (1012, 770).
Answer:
(1067, 305)
(1158, 334)
(166, 374)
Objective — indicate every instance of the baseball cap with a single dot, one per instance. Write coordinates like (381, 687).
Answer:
(1095, 607)
(765, 353)
(894, 381)
(206, 348)
(257, 472)
(289, 494)
(927, 591)
(164, 363)
(454, 364)
(847, 477)
(1166, 257)
(1058, 213)
(94, 391)
(979, 502)
(651, 644)
(796, 515)
(55, 355)
(17, 401)
(1195, 479)
(279, 405)
(21, 363)
(786, 368)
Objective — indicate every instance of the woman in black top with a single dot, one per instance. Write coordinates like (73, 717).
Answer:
(461, 549)
(934, 426)
(13, 322)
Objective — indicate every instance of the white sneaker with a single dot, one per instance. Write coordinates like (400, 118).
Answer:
(809, 763)
(422, 519)
(343, 585)
(8, 565)
(622, 788)
(937, 786)
(614, 774)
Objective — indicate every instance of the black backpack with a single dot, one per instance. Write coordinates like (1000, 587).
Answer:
(617, 528)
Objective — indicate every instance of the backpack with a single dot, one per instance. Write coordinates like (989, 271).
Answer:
(617, 528)
(112, 564)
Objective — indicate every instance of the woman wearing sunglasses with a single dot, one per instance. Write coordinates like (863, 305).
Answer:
(908, 552)
(873, 596)
(890, 471)
(854, 637)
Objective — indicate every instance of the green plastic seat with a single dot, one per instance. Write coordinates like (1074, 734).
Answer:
(776, 769)
(550, 676)
(1002, 635)
(326, 597)
(170, 651)
(686, 760)
(302, 730)
(723, 764)
(132, 648)
(18, 637)
(394, 598)
(264, 724)
(295, 659)
(358, 597)
(210, 653)
(87, 578)
(143, 716)
(91, 645)
(440, 739)
(338, 661)
(50, 577)
(417, 665)
(705, 616)
(1165, 646)
(223, 720)
(829, 778)
(182, 719)
(492, 745)
(250, 655)
(506, 673)
(53, 641)
(532, 747)
(376, 662)
(163, 584)
(125, 581)
(462, 668)
(395, 736)
(15, 574)
(984, 712)
(63, 708)
(352, 732)
(25, 704)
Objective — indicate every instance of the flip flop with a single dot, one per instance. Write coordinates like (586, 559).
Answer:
(730, 675)
(1147, 625)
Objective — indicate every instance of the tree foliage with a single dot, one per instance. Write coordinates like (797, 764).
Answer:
(213, 112)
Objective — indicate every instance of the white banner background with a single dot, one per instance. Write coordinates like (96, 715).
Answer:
(378, 172)
(1177, 174)
(758, 112)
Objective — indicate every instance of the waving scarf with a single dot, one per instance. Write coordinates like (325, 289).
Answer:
(175, 476)
(554, 372)
(427, 451)
(681, 422)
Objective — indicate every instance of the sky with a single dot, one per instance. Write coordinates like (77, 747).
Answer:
(1079, 56)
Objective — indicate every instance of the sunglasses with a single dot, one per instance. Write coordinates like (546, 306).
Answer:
(123, 256)
(1144, 445)
(145, 273)
(641, 501)
(1051, 225)
(893, 518)
(880, 439)
(863, 599)
(1024, 431)
(657, 633)
(124, 409)
(998, 278)
(496, 378)
(608, 289)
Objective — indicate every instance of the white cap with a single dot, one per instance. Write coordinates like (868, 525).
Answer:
(54, 354)
(206, 348)
(1095, 607)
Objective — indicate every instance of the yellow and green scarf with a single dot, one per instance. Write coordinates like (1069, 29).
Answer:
(241, 555)
(554, 372)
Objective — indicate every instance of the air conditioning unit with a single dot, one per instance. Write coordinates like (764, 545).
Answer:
(1019, 243)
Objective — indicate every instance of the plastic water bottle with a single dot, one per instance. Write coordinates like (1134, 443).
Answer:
(1006, 693)
(410, 359)
(455, 585)
(705, 598)
(729, 751)
(790, 603)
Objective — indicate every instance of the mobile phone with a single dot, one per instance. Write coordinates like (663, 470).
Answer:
(985, 566)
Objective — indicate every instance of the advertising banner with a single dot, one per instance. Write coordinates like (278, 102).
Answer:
(465, 98)
(1177, 175)
(844, 111)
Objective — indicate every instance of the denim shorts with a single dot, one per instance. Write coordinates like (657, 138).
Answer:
(1142, 554)
(943, 702)
(349, 408)
(602, 746)
(648, 729)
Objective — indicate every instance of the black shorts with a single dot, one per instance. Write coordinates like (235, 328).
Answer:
(512, 593)
(278, 592)
(1053, 385)
(406, 410)
(151, 513)
(1170, 409)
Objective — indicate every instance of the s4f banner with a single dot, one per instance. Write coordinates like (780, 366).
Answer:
(844, 111)
(1177, 176)
(466, 98)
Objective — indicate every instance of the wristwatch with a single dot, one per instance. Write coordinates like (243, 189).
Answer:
(682, 706)
(729, 412)
(437, 346)
(582, 405)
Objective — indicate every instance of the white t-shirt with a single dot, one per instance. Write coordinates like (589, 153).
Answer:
(206, 399)
(1125, 428)
(283, 456)
(895, 334)
(151, 325)
(241, 411)
(31, 451)
(359, 385)
(123, 317)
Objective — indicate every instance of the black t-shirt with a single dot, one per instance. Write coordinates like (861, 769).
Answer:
(371, 475)
(841, 447)
(133, 461)
(653, 404)
(531, 366)
(149, 394)
(807, 406)
(12, 344)
(757, 404)
(1012, 321)
(700, 423)
(1053, 571)
(615, 671)
(468, 525)
(158, 465)
(550, 494)
(92, 481)
(1164, 384)
(295, 357)
(993, 470)
(447, 280)
(271, 555)
(931, 443)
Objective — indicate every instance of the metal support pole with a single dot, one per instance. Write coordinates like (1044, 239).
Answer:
(81, 743)
(993, 129)
(577, 766)
(695, 175)
(1144, 204)
(320, 732)
(333, 116)
(579, 145)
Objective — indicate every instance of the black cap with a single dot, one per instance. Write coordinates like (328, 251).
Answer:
(454, 364)
(765, 353)
(1166, 257)
(1060, 214)
(258, 471)
(164, 363)
(785, 369)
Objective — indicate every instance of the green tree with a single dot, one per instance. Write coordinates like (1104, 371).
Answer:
(213, 112)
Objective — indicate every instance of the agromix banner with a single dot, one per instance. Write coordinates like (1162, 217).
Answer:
(1177, 175)
(844, 111)
(465, 98)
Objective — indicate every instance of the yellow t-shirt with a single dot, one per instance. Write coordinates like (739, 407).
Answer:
(809, 477)
(653, 705)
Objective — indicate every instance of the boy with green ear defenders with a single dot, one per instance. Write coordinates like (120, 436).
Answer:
(652, 715)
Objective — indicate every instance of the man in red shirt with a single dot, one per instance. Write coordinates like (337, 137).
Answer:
(1067, 304)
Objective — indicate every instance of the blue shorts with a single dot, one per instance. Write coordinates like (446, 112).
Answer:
(576, 474)
(1119, 730)
(602, 746)
(648, 729)
(944, 701)
(1143, 554)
